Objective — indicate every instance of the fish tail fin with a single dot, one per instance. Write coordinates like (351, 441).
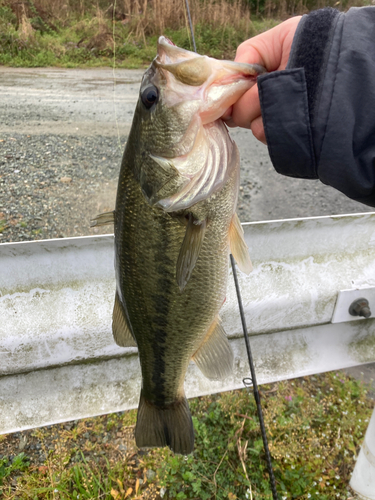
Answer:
(165, 426)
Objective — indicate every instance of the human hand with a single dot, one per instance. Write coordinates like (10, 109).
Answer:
(271, 50)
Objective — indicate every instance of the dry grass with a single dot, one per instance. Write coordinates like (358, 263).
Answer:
(142, 18)
(156, 15)
(82, 32)
(160, 14)
(25, 29)
(282, 9)
(151, 17)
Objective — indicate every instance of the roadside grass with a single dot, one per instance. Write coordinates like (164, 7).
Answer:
(315, 426)
(38, 34)
(90, 43)
(82, 33)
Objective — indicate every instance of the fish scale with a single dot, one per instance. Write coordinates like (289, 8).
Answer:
(157, 309)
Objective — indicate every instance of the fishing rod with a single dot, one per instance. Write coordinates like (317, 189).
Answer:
(247, 381)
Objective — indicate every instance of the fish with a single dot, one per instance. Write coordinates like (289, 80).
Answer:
(175, 224)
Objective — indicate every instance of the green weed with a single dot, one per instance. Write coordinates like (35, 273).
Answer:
(42, 36)
(71, 33)
(18, 464)
(315, 426)
(3, 225)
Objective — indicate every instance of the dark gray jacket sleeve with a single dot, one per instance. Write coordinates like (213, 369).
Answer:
(319, 113)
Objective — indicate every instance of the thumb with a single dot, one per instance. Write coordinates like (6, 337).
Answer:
(270, 49)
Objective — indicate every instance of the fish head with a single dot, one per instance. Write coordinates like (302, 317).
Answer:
(183, 143)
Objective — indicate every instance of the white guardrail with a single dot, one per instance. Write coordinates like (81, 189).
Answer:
(58, 360)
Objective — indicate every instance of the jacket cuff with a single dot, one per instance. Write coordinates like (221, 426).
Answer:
(285, 112)
(310, 50)
(288, 98)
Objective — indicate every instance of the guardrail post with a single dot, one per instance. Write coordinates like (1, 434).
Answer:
(363, 478)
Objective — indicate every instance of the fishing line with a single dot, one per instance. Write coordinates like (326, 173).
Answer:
(248, 382)
(190, 24)
(113, 71)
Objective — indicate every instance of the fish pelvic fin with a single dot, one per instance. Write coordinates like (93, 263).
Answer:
(165, 426)
(238, 246)
(190, 249)
(121, 330)
(103, 219)
(215, 357)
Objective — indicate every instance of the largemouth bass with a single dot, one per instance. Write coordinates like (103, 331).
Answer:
(175, 224)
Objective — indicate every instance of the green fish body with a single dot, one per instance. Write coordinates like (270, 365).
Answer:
(175, 224)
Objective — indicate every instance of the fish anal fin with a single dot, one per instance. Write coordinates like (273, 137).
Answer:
(190, 249)
(238, 247)
(165, 426)
(120, 326)
(103, 219)
(215, 357)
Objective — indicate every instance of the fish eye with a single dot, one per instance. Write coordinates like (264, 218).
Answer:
(150, 96)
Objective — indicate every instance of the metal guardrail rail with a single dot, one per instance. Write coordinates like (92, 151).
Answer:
(58, 360)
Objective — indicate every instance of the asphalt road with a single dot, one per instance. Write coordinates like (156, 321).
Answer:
(87, 107)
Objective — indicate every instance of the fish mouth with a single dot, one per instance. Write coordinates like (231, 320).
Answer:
(193, 69)
(218, 84)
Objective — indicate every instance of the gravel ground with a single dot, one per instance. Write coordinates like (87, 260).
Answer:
(52, 185)
(70, 439)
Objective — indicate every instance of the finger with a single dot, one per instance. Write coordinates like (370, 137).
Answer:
(248, 52)
(271, 48)
(247, 108)
(262, 49)
(257, 129)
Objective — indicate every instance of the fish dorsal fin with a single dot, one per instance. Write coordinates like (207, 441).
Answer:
(214, 357)
(103, 219)
(190, 249)
(238, 247)
(120, 327)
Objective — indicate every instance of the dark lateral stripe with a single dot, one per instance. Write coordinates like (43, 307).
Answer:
(162, 307)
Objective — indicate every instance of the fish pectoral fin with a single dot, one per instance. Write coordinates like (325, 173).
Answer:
(103, 219)
(170, 425)
(215, 357)
(120, 327)
(190, 249)
(238, 247)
